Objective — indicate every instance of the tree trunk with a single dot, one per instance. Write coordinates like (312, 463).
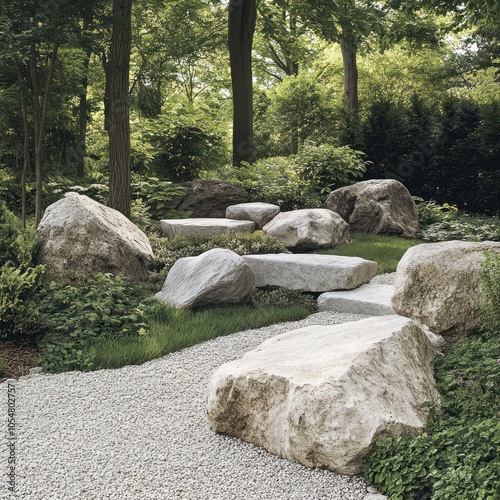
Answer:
(349, 51)
(26, 145)
(119, 102)
(40, 108)
(242, 18)
(82, 121)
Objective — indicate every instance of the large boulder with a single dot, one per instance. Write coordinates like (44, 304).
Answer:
(218, 276)
(310, 272)
(322, 395)
(376, 206)
(439, 284)
(260, 213)
(77, 233)
(207, 198)
(308, 228)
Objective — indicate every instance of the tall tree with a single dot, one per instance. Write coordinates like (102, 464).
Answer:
(119, 104)
(241, 26)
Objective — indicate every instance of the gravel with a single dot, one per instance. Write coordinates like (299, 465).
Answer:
(140, 432)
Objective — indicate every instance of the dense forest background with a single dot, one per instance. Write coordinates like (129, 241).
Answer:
(410, 88)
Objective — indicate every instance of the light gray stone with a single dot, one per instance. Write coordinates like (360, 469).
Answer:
(375, 496)
(308, 228)
(439, 284)
(218, 276)
(260, 213)
(310, 272)
(370, 299)
(380, 206)
(77, 233)
(209, 227)
(322, 395)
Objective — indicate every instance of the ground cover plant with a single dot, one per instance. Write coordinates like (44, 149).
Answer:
(457, 457)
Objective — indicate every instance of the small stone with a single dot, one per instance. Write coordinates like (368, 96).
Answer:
(37, 370)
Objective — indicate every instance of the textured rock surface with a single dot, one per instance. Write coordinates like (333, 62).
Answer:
(370, 299)
(322, 396)
(439, 284)
(310, 272)
(218, 276)
(209, 227)
(308, 228)
(207, 198)
(376, 206)
(260, 213)
(79, 234)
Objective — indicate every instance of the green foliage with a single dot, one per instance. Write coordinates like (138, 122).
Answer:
(19, 279)
(386, 250)
(272, 180)
(167, 252)
(457, 458)
(429, 212)
(326, 167)
(76, 313)
(157, 195)
(463, 226)
(175, 329)
(491, 289)
(18, 311)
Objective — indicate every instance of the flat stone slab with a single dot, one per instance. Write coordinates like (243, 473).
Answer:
(370, 299)
(310, 272)
(206, 226)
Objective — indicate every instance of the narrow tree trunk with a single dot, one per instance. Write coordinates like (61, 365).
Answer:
(26, 145)
(349, 52)
(242, 18)
(82, 121)
(40, 107)
(119, 99)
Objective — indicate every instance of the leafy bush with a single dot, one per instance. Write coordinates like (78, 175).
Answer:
(11, 238)
(76, 313)
(18, 311)
(272, 180)
(326, 167)
(431, 212)
(167, 252)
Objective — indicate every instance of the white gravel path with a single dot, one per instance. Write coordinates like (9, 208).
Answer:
(140, 432)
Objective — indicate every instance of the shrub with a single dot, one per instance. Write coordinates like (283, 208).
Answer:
(167, 252)
(431, 212)
(74, 313)
(273, 180)
(326, 167)
(18, 311)
(10, 242)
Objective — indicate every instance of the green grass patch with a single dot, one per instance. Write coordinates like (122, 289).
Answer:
(175, 329)
(386, 250)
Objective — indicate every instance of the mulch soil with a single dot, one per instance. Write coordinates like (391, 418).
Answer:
(18, 357)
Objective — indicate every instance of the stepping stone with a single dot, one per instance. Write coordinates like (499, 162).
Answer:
(260, 213)
(206, 226)
(310, 272)
(370, 299)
